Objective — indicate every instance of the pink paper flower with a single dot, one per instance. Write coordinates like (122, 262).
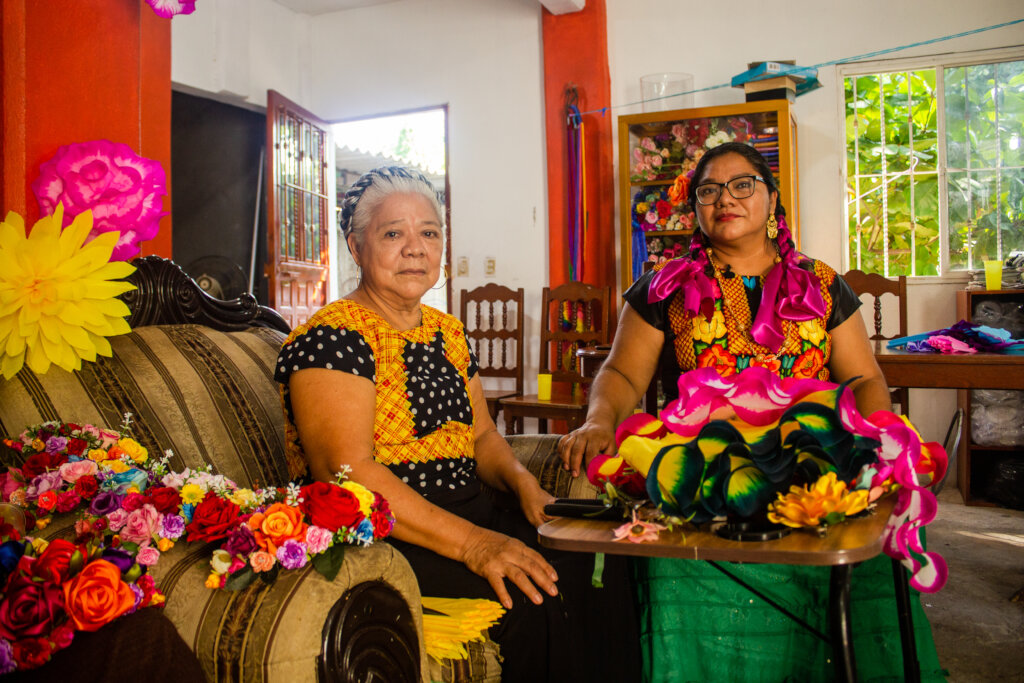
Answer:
(944, 344)
(168, 8)
(637, 531)
(122, 190)
(148, 556)
(73, 471)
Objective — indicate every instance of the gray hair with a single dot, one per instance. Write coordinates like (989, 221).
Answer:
(367, 194)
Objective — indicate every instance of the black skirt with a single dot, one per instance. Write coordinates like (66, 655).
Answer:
(584, 634)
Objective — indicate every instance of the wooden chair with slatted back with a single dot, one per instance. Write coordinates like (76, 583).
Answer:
(493, 317)
(877, 286)
(573, 315)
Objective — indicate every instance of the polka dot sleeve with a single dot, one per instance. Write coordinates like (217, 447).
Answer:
(326, 347)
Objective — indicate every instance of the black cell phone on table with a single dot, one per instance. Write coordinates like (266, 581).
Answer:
(586, 508)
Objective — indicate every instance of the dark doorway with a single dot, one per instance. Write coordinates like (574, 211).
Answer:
(215, 168)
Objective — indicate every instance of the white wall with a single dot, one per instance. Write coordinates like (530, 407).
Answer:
(239, 49)
(648, 36)
(483, 59)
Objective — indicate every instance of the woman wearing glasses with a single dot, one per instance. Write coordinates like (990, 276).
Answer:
(743, 296)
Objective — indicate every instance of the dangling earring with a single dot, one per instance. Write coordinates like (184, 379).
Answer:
(773, 227)
(442, 285)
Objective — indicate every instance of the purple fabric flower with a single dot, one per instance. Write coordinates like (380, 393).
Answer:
(7, 663)
(119, 558)
(47, 481)
(292, 555)
(172, 527)
(56, 444)
(105, 503)
(122, 189)
(241, 542)
(168, 8)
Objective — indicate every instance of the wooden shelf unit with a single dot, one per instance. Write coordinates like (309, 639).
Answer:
(767, 119)
(975, 462)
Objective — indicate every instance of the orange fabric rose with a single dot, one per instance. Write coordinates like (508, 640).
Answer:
(97, 596)
(279, 523)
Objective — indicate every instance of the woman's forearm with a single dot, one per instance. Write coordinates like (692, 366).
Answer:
(613, 397)
(417, 521)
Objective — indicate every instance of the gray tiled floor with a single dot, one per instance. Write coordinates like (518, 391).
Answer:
(979, 631)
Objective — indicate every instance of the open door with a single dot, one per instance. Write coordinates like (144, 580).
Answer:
(300, 155)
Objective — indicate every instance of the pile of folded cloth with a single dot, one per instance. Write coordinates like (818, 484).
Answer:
(963, 337)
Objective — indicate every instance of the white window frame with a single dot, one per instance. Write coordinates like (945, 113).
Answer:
(948, 60)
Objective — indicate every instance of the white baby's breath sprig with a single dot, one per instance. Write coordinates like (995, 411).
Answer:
(292, 494)
(342, 474)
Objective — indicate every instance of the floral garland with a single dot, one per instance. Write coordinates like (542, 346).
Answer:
(796, 451)
(131, 510)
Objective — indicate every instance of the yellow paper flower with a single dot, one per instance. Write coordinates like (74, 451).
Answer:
(116, 466)
(97, 454)
(826, 502)
(58, 295)
(243, 498)
(191, 494)
(362, 494)
(134, 449)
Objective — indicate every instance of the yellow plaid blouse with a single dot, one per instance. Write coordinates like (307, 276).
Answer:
(423, 425)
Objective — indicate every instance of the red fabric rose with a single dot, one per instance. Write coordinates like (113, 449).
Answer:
(76, 446)
(329, 506)
(165, 499)
(132, 502)
(67, 501)
(87, 486)
(213, 519)
(53, 563)
(381, 524)
(41, 462)
(30, 607)
(32, 653)
(47, 500)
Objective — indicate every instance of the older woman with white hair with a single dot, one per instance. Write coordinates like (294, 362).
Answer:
(380, 383)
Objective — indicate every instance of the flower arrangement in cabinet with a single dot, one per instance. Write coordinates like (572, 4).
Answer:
(671, 156)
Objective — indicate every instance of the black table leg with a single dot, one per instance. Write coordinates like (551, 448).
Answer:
(911, 667)
(839, 623)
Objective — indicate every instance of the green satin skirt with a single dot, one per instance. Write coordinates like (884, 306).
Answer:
(697, 624)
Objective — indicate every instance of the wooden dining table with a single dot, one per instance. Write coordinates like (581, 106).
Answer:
(842, 547)
(904, 368)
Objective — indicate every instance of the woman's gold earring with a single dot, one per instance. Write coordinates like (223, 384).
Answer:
(773, 227)
(444, 269)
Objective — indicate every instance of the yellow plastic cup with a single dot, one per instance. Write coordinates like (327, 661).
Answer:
(993, 274)
(544, 386)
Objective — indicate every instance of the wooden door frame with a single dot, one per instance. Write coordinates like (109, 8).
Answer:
(448, 264)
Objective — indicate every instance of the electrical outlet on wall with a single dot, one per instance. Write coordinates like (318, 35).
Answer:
(489, 266)
(462, 267)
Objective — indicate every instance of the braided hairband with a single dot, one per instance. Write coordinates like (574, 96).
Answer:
(355, 193)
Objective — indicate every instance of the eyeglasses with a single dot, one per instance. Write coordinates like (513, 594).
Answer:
(740, 187)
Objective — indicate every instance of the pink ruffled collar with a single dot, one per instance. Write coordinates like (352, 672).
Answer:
(789, 293)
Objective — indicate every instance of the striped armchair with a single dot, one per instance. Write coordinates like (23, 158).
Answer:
(197, 375)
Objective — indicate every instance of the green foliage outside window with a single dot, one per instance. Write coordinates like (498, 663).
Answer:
(894, 167)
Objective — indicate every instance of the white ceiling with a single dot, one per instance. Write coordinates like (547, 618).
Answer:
(314, 7)
(324, 6)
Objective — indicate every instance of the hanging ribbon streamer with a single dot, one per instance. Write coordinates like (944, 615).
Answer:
(577, 190)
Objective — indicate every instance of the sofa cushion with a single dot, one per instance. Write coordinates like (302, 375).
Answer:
(206, 395)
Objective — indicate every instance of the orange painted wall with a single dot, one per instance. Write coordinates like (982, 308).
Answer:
(576, 51)
(78, 71)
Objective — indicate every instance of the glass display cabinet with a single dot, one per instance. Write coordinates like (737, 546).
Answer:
(656, 148)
